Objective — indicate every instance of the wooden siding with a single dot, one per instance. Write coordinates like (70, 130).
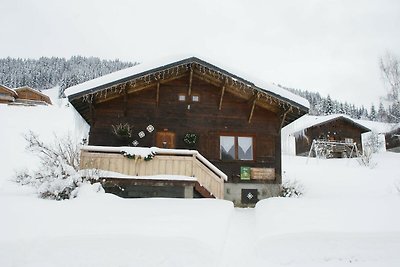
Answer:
(159, 165)
(162, 109)
(30, 94)
(6, 95)
(336, 130)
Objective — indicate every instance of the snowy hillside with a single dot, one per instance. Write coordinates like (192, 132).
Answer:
(348, 215)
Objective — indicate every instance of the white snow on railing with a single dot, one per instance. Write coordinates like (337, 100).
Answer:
(146, 151)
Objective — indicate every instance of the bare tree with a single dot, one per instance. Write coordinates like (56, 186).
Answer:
(390, 70)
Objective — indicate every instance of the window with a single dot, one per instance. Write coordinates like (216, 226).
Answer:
(195, 98)
(182, 97)
(236, 147)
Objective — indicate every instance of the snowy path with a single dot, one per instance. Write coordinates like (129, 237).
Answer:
(240, 244)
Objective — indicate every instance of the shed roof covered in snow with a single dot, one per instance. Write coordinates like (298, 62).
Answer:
(113, 85)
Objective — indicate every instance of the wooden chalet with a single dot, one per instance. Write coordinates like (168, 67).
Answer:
(206, 122)
(7, 95)
(28, 95)
(337, 133)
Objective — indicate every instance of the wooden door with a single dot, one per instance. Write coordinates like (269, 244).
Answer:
(165, 139)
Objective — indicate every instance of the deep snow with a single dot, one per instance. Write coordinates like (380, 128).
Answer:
(348, 216)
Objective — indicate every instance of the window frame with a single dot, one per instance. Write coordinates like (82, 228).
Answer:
(183, 96)
(198, 98)
(236, 146)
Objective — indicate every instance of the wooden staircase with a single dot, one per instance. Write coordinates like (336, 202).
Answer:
(203, 191)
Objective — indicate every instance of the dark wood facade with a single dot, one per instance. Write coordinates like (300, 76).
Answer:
(338, 129)
(192, 97)
(202, 118)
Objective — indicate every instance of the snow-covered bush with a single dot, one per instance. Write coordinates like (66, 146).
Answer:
(365, 158)
(291, 188)
(58, 174)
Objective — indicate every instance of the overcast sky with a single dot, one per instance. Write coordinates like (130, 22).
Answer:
(327, 46)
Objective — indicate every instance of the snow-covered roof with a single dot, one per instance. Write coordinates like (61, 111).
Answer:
(308, 121)
(150, 67)
(376, 126)
(36, 91)
(12, 91)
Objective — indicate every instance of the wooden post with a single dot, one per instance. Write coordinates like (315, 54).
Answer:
(158, 94)
(222, 94)
(190, 81)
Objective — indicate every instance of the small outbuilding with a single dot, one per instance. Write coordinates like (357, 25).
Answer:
(339, 134)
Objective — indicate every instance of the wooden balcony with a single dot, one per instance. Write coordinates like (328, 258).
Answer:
(165, 162)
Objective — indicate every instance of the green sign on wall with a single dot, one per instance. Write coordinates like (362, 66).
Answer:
(245, 173)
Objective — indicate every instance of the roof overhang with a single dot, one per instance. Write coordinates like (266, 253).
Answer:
(288, 104)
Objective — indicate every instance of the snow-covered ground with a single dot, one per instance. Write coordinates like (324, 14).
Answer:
(348, 216)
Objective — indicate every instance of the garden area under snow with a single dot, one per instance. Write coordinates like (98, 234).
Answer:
(348, 214)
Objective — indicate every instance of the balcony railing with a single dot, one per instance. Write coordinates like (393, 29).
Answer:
(165, 162)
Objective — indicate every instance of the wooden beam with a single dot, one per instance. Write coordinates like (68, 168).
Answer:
(284, 118)
(222, 94)
(125, 101)
(190, 81)
(158, 94)
(92, 111)
(140, 87)
(252, 108)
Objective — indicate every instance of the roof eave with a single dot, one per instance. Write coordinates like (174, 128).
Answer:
(187, 61)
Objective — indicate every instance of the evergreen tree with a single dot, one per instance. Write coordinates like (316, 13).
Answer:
(44, 73)
(382, 115)
(328, 106)
(373, 116)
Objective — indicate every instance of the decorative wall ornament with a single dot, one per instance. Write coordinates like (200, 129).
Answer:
(141, 134)
(122, 131)
(150, 128)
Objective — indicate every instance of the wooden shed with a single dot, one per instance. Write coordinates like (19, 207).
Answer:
(197, 112)
(393, 139)
(339, 133)
(7, 95)
(29, 95)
